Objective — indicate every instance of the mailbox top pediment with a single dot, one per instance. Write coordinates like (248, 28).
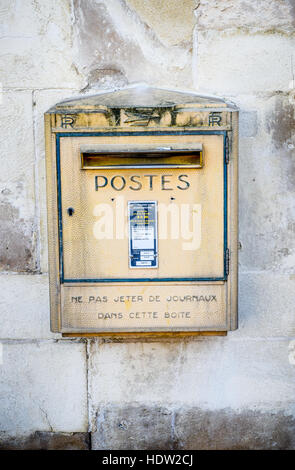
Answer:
(140, 97)
(142, 106)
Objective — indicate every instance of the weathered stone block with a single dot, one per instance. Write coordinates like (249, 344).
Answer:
(261, 15)
(46, 441)
(172, 22)
(211, 373)
(25, 307)
(247, 123)
(17, 190)
(36, 44)
(110, 39)
(266, 186)
(43, 387)
(132, 427)
(148, 368)
(237, 373)
(198, 429)
(266, 305)
(235, 63)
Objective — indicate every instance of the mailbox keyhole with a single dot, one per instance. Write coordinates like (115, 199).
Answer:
(70, 211)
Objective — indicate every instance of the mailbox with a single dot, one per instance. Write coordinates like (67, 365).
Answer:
(142, 213)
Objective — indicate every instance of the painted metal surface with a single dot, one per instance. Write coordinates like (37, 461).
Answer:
(159, 278)
(89, 274)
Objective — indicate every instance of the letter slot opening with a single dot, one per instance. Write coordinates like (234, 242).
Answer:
(111, 157)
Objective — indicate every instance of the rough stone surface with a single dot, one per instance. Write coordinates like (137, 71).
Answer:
(266, 161)
(266, 305)
(36, 44)
(248, 123)
(258, 62)
(46, 441)
(111, 40)
(135, 426)
(265, 15)
(198, 429)
(213, 373)
(24, 306)
(173, 21)
(132, 427)
(17, 189)
(17, 248)
(43, 387)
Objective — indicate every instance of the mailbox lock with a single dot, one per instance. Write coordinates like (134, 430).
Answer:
(70, 211)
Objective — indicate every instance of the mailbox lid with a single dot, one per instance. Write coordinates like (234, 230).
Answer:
(190, 213)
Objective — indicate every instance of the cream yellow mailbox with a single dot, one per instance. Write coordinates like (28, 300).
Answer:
(142, 213)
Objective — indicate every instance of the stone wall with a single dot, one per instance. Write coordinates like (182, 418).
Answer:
(227, 392)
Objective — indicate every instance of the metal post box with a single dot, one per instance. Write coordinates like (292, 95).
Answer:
(142, 213)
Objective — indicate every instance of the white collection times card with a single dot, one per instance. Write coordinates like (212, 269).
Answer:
(143, 236)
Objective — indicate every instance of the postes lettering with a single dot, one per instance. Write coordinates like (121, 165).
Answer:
(135, 182)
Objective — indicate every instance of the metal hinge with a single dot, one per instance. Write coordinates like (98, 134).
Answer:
(227, 258)
(226, 150)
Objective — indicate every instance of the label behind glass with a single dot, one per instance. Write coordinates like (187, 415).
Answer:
(143, 237)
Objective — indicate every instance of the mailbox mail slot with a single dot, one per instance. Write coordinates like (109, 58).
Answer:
(109, 157)
(142, 218)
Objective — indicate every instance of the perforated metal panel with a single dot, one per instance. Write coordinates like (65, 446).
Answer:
(190, 214)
